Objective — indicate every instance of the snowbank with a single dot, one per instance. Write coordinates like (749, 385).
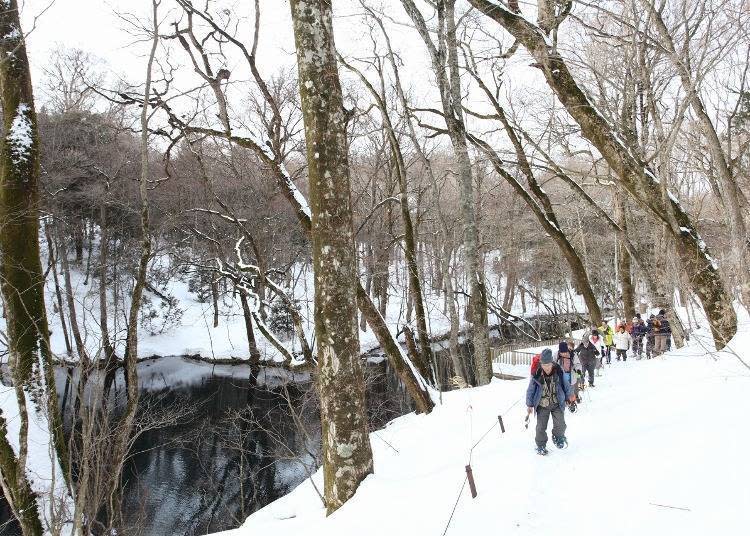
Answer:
(655, 448)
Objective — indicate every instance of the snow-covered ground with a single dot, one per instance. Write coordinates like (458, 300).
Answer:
(658, 447)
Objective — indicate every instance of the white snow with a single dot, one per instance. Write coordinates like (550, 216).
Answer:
(42, 468)
(20, 135)
(656, 448)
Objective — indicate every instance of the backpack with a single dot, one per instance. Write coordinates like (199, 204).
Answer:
(535, 362)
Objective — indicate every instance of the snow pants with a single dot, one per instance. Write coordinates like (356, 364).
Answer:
(649, 346)
(542, 419)
(589, 366)
(622, 354)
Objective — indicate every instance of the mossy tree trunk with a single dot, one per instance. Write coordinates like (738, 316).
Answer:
(347, 455)
(21, 269)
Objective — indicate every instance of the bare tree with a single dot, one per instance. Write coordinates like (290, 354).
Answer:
(633, 174)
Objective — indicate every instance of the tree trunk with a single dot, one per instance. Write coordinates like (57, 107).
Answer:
(347, 455)
(626, 280)
(251, 342)
(70, 299)
(634, 175)
(22, 281)
(58, 292)
(215, 300)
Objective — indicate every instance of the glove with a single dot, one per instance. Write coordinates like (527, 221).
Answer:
(572, 407)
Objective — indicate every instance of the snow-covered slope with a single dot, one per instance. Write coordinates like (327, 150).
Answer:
(658, 447)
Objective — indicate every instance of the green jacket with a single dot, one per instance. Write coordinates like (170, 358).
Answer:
(607, 334)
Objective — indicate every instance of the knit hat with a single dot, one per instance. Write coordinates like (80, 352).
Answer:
(563, 347)
(546, 357)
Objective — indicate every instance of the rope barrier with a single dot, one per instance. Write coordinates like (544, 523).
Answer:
(448, 524)
(493, 426)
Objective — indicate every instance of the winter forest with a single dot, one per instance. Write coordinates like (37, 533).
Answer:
(310, 267)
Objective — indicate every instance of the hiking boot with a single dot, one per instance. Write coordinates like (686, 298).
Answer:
(560, 442)
(542, 451)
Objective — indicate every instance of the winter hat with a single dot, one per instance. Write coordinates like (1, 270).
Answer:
(563, 347)
(546, 356)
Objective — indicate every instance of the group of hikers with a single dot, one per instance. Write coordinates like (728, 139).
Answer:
(557, 378)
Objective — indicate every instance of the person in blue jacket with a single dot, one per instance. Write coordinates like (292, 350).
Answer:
(548, 391)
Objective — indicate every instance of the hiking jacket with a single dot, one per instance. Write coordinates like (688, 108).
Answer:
(622, 340)
(586, 353)
(665, 327)
(608, 335)
(599, 343)
(534, 392)
(639, 330)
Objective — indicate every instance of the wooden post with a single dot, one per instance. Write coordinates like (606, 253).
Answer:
(472, 485)
(502, 426)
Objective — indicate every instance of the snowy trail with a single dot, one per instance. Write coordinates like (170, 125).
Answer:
(659, 432)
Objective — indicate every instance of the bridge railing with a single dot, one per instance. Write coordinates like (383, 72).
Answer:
(518, 353)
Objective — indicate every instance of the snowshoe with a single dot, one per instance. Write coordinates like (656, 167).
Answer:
(560, 442)
(542, 451)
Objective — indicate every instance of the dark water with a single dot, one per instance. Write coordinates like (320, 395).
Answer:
(230, 445)
(223, 446)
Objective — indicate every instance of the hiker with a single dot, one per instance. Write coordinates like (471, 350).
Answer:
(622, 343)
(598, 342)
(569, 363)
(650, 335)
(605, 330)
(662, 340)
(587, 354)
(639, 330)
(547, 393)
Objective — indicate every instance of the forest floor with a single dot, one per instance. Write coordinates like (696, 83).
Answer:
(657, 447)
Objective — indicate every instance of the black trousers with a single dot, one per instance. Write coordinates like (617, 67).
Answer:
(622, 354)
(542, 419)
(589, 366)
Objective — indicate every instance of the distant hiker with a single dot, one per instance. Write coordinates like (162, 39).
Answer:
(651, 328)
(547, 393)
(637, 333)
(587, 353)
(608, 334)
(662, 341)
(569, 363)
(622, 343)
(598, 342)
